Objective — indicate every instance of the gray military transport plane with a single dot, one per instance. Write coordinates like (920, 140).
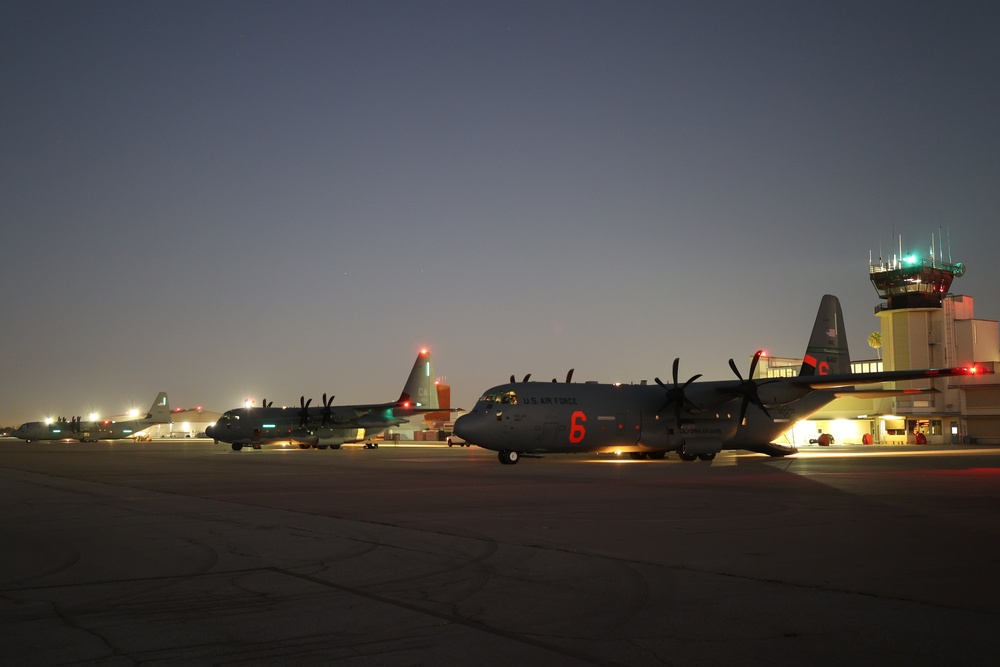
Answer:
(694, 419)
(92, 431)
(329, 425)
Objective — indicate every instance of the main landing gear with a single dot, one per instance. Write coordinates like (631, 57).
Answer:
(691, 457)
(508, 457)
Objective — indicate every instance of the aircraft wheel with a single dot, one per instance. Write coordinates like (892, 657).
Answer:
(707, 457)
(657, 455)
(687, 457)
(508, 457)
(637, 456)
(237, 447)
(322, 446)
(304, 446)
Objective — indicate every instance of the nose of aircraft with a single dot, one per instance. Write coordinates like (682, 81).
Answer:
(465, 427)
(210, 430)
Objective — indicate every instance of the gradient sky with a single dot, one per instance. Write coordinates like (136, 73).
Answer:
(270, 199)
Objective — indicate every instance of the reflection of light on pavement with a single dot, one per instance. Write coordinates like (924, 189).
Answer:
(721, 459)
(883, 452)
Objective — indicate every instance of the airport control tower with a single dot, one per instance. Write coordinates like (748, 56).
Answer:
(913, 281)
(917, 321)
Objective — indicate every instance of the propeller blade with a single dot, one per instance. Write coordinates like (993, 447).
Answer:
(327, 410)
(748, 388)
(675, 395)
(304, 411)
(569, 376)
(526, 377)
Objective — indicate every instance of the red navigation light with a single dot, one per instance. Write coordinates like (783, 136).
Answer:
(423, 350)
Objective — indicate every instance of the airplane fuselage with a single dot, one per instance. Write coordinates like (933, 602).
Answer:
(540, 417)
(39, 431)
(269, 426)
(81, 431)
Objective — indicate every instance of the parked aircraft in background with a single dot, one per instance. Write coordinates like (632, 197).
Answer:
(328, 425)
(94, 430)
(694, 419)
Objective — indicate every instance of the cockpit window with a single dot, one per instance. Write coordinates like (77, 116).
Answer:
(503, 398)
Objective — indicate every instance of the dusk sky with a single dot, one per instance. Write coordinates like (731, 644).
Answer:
(270, 199)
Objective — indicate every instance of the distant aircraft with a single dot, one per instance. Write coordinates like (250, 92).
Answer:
(328, 425)
(694, 419)
(92, 431)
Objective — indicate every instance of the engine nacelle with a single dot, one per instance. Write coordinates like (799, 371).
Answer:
(776, 394)
(302, 438)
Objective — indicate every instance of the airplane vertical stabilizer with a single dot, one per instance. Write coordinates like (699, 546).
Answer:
(420, 389)
(827, 352)
(159, 411)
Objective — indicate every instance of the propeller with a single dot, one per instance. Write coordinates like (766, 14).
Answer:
(569, 376)
(675, 395)
(327, 410)
(513, 379)
(304, 411)
(74, 425)
(265, 404)
(748, 387)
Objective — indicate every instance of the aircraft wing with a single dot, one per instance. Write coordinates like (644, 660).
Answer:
(772, 392)
(347, 414)
(854, 379)
(882, 393)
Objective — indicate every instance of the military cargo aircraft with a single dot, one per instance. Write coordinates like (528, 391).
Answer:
(695, 419)
(328, 425)
(92, 431)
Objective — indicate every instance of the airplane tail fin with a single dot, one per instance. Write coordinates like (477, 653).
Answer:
(159, 411)
(420, 390)
(827, 352)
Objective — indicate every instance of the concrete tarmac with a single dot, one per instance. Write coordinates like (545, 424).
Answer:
(185, 552)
